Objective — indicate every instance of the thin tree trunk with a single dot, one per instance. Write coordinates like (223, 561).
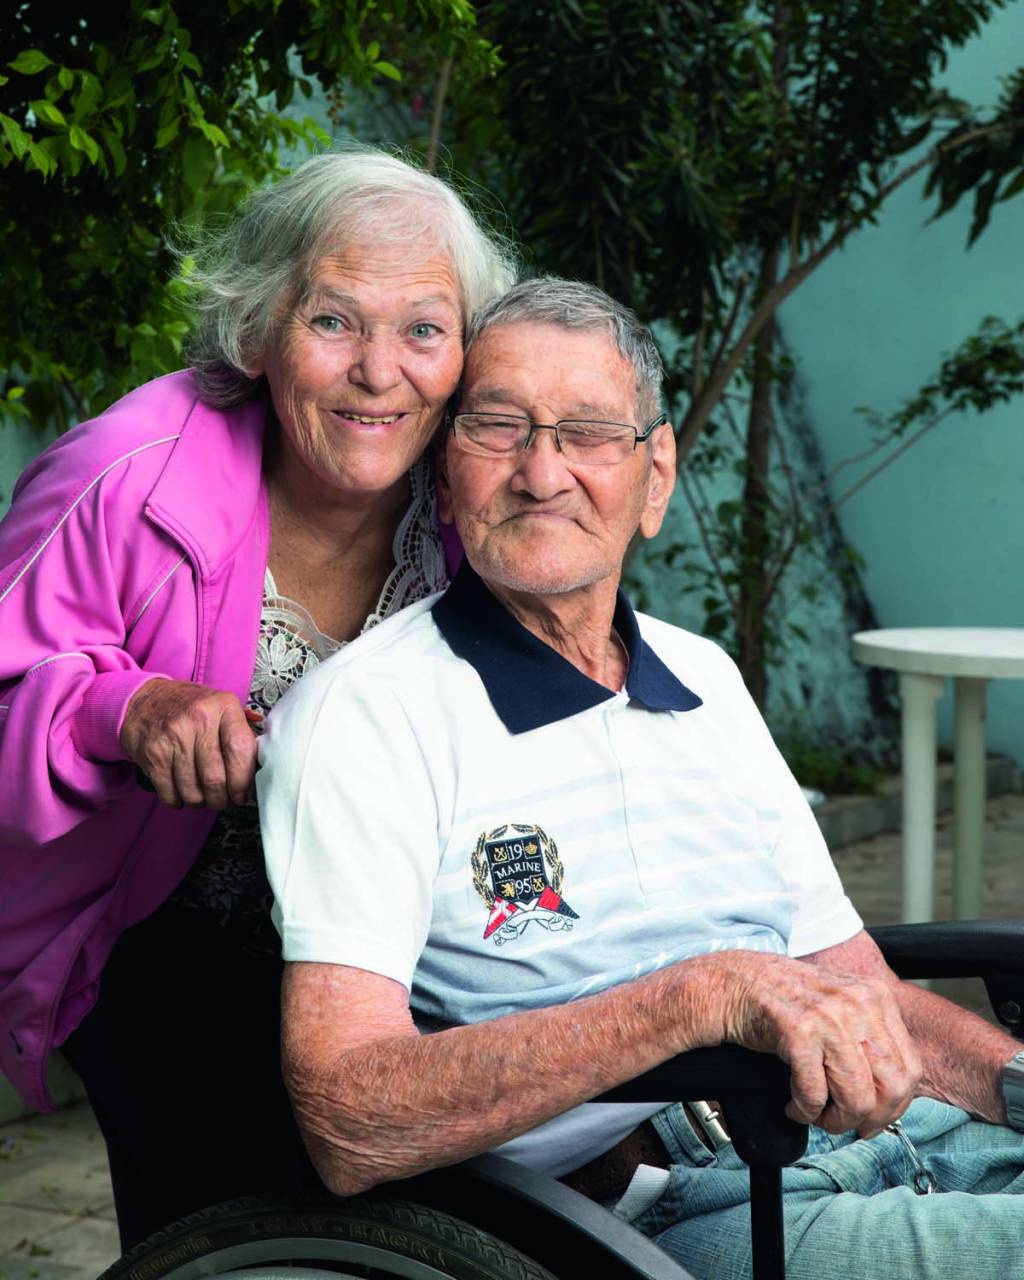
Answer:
(438, 116)
(755, 531)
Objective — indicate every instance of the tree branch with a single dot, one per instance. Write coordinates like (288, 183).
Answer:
(705, 537)
(700, 411)
(870, 475)
(697, 374)
(435, 124)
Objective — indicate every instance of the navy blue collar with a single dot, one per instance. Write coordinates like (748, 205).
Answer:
(529, 683)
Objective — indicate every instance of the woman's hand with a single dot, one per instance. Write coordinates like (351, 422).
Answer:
(193, 743)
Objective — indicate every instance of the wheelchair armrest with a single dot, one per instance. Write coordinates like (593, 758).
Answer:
(989, 949)
(953, 948)
(753, 1089)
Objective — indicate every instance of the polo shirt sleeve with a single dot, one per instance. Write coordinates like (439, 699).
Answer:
(349, 821)
(823, 915)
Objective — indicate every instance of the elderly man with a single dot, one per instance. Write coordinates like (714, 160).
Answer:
(557, 837)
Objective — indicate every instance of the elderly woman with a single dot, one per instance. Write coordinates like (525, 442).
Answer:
(165, 572)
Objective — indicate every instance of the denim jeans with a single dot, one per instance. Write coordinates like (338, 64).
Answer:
(850, 1209)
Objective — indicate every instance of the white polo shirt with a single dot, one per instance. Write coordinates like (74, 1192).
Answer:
(450, 803)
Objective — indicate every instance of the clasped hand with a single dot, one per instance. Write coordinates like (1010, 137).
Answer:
(853, 1064)
(194, 744)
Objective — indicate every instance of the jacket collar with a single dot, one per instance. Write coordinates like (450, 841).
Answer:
(211, 484)
(529, 683)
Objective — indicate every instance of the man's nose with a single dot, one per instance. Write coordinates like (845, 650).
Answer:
(376, 364)
(541, 469)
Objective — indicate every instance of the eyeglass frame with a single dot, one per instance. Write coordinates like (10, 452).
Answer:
(640, 435)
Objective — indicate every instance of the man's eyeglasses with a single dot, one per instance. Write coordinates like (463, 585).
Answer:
(500, 435)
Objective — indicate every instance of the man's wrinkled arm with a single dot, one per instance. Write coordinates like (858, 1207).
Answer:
(377, 1101)
(962, 1055)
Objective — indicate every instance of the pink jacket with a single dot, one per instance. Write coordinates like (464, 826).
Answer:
(131, 542)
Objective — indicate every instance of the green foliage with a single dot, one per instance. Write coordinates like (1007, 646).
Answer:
(828, 766)
(985, 370)
(119, 122)
(988, 163)
(655, 148)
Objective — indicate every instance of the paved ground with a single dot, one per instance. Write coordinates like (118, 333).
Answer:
(56, 1216)
(56, 1207)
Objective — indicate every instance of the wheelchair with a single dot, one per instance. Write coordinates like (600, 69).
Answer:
(491, 1219)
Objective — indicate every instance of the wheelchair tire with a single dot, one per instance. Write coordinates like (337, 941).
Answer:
(371, 1237)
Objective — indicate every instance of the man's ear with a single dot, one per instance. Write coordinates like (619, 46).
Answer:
(444, 491)
(661, 480)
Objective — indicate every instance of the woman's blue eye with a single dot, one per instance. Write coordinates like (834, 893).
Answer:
(424, 330)
(329, 324)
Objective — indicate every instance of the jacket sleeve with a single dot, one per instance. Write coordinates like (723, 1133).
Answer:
(66, 673)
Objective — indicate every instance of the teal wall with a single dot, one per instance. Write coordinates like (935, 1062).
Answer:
(19, 444)
(942, 530)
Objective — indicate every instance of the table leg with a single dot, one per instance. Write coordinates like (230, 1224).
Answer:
(969, 797)
(919, 694)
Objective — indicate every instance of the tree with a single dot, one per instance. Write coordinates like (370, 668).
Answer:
(702, 161)
(119, 122)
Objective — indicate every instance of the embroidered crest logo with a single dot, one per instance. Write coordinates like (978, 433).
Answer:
(518, 874)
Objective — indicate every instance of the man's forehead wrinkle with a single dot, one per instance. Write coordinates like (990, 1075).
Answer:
(489, 395)
(506, 396)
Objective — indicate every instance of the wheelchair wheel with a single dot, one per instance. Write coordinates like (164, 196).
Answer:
(307, 1238)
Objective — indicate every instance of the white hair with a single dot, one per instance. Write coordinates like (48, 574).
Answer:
(572, 304)
(243, 274)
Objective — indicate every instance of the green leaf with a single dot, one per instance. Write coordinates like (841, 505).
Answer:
(197, 161)
(116, 151)
(4, 80)
(15, 393)
(47, 111)
(17, 138)
(41, 160)
(373, 51)
(66, 77)
(212, 134)
(88, 96)
(387, 69)
(167, 134)
(30, 61)
(1014, 188)
(81, 141)
(314, 133)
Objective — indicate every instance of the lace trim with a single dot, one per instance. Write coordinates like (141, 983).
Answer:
(291, 643)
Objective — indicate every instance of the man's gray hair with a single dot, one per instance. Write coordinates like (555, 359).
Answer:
(242, 275)
(572, 304)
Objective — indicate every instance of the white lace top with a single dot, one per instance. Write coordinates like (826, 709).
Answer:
(228, 877)
(291, 643)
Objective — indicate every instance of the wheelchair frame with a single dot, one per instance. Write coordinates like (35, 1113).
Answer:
(524, 1209)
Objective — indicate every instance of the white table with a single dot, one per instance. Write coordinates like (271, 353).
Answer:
(924, 657)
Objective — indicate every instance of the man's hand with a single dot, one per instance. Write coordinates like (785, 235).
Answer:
(852, 1061)
(193, 743)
